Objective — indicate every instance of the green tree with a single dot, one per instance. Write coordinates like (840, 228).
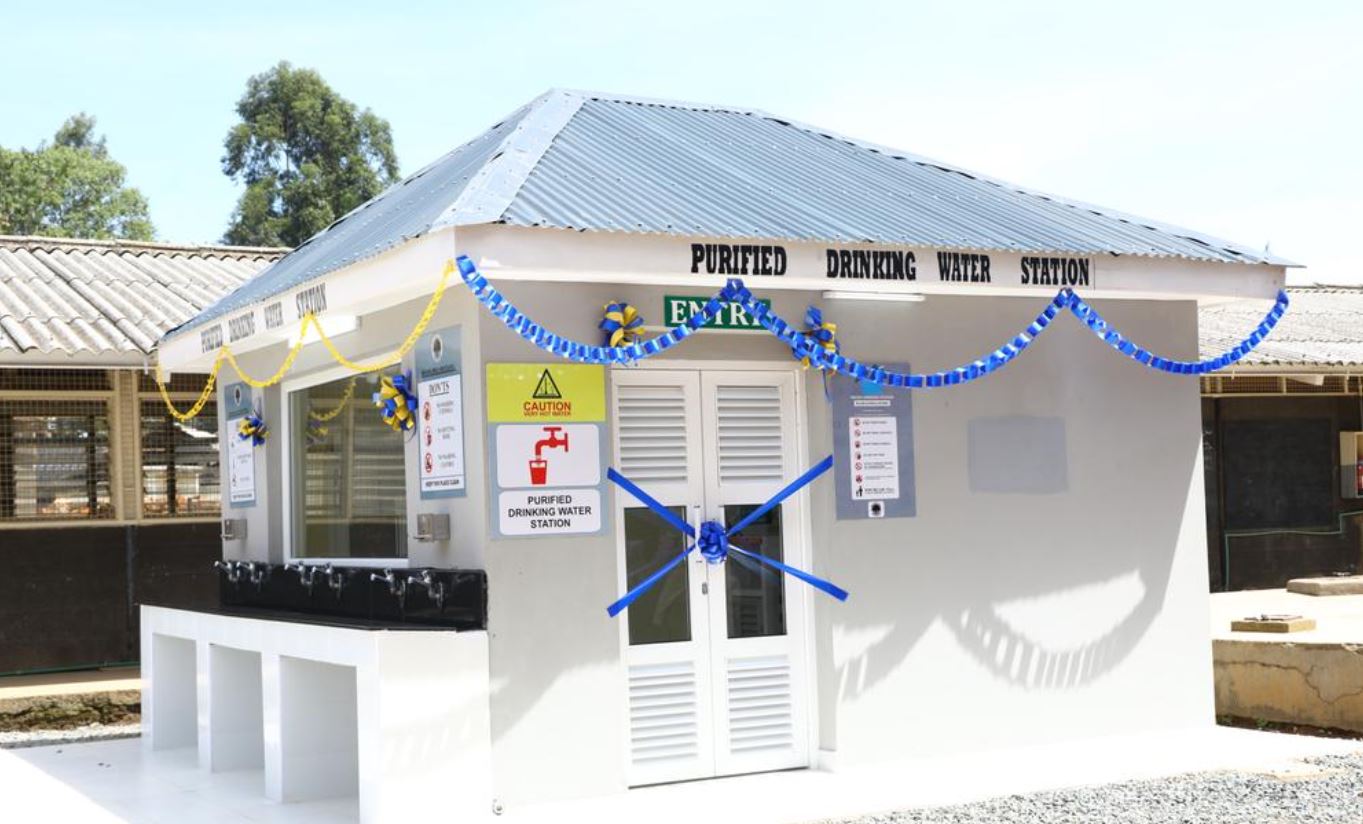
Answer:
(70, 188)
(307, 157)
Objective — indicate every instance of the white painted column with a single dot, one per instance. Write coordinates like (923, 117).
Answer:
(270, 708)
(425, 738)
(235, 730)
(169, 695)
(319, 750)
(203, 702)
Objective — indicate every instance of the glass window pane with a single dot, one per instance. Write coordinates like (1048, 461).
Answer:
(347, 473)
(663, 614)
(180, 463)
(755, 593)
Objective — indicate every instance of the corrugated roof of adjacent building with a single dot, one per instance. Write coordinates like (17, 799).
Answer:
(1321, 329)
(106, 302)
(595, 162)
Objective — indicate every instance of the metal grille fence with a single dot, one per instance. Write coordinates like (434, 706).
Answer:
(1294, 384)
(93, 444)
(55, 380)
(54, 459)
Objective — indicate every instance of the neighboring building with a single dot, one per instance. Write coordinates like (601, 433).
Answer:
(1284, 469)
(1024, 552)
(95, 476)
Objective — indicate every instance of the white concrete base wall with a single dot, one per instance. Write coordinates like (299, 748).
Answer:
(399, 718)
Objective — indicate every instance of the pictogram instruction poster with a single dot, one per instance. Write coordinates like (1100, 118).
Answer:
(241, 453)
(440, 415)
(872, 449)
(546, 428)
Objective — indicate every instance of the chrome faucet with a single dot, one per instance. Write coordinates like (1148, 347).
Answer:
(257, 573)
(397, 587)
(307, 575)
(435, 589)
(336, 579)
(231, 570)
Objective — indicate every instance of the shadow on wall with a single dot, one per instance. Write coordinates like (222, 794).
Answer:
(1035, 565)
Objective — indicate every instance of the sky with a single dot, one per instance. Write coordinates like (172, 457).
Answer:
(1240, 119)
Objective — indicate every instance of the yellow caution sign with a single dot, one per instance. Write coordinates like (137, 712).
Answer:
(533, 392)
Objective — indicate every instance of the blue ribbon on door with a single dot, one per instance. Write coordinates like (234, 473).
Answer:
(713, 537)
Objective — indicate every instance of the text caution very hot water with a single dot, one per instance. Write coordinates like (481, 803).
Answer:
(546, 428)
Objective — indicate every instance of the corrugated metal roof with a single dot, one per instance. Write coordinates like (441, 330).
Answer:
(584, 161)
(108, 302)
(403, 211)
(1321, 329)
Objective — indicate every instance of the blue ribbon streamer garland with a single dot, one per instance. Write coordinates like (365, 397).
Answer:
(713, 538)
(803, 345)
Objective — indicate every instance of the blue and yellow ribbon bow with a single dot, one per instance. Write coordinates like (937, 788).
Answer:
(396, 402)
(252, 428)
(622, 323)
(824, 333)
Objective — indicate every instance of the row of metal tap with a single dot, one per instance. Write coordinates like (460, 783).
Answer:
(258, 573)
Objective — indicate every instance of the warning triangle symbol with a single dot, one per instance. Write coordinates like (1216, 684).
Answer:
(546, 389)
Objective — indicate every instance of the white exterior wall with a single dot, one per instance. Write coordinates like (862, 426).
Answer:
(988, 620)
(379, 334)
(997, 619)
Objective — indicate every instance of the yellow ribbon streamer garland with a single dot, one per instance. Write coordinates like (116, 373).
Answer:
(226, 355)
(327, 417)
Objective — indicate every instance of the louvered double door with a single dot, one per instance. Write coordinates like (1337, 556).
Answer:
(714, 654)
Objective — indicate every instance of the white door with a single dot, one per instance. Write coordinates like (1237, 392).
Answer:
(714, 653)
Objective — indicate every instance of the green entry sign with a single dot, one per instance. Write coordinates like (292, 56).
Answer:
(677, 308)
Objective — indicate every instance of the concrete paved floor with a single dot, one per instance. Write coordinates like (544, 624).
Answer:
(115, 781)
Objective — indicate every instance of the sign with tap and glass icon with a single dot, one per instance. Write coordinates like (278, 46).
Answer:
(545, 426)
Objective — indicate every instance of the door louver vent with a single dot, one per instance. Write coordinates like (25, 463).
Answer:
(663, 714)
(761, 717)
(651, 423)
(749, 434)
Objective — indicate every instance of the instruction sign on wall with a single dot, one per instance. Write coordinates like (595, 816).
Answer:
(440, 417)
(241, 453)
(872, 449)
(546, 425)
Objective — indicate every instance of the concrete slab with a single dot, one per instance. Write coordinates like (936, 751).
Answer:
(118, 781)
(1333, 585)
(82, 682)
(1273, 623)
(1338, 620)
(1310, 677)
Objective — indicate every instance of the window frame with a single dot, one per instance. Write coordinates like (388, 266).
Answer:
(286, 389)
(106, 398)
(140, 468)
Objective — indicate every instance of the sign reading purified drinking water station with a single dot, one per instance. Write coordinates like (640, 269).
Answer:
(545, 425)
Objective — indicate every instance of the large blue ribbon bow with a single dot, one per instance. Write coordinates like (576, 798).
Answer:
(713, 538)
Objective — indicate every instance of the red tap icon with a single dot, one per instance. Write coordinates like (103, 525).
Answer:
(539, 467)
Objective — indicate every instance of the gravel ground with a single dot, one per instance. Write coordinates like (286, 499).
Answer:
(1330, 790)
(92, 732)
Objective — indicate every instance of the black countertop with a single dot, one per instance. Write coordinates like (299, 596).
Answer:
(316, 619)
